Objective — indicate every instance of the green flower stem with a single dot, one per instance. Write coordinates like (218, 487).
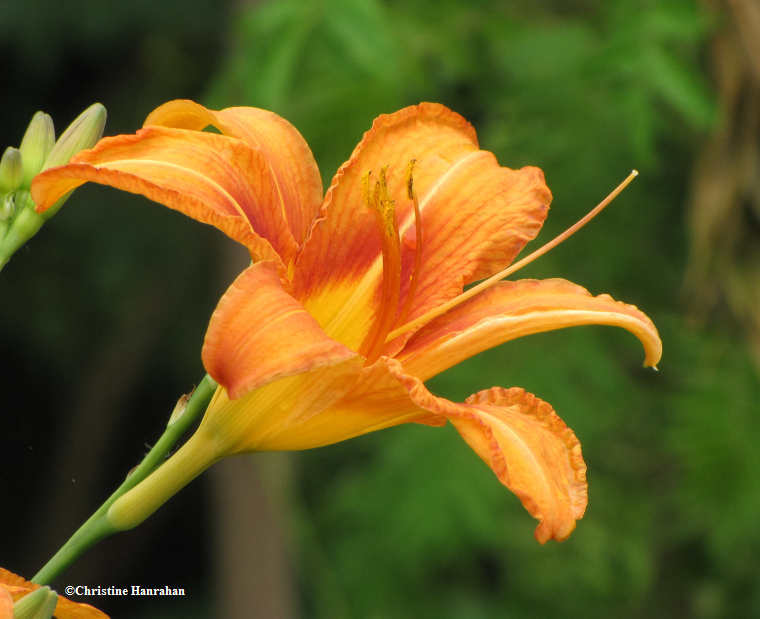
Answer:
(98, 526)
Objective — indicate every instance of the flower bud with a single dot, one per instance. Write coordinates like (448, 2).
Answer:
(86, 129)
(36, 145)
(39, 604)
(18, 219)
(11, 170)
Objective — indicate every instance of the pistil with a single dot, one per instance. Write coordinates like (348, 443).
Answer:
(491, 281)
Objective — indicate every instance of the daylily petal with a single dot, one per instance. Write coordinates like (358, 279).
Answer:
(6, 604)
(339, 271)
(514, 309)
(475, 221)
(532, 452)
(520, 437)
(18, 587)
(214, 179)
(292, 164)
(259, 333)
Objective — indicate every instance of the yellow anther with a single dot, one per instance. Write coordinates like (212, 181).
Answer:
(365, 189)
(380, 201)
(410, 180)
(384, 200)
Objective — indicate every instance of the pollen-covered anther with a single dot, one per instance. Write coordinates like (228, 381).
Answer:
(410, 178)
(384, 205)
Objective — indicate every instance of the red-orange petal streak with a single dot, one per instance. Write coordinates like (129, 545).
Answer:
(259, 333)
(214, 179)
(513, 309)
(292, 164)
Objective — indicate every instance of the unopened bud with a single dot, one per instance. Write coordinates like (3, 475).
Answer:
(11, 170)
(36, 145)
(39, 604)
(83, 133)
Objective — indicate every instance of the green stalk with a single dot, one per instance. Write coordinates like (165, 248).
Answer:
(98, 526)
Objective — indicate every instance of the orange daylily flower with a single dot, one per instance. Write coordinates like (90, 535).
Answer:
(13, 587)
(314, 342)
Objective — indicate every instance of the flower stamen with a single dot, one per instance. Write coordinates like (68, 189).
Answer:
(413, 278)
(379, 201)
(487, 283)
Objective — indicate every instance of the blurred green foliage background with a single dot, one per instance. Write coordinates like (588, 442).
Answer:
(102, 316)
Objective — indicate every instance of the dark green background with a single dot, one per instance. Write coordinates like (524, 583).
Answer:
(102, 316)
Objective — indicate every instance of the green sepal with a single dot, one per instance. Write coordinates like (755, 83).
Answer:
(39, 604)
